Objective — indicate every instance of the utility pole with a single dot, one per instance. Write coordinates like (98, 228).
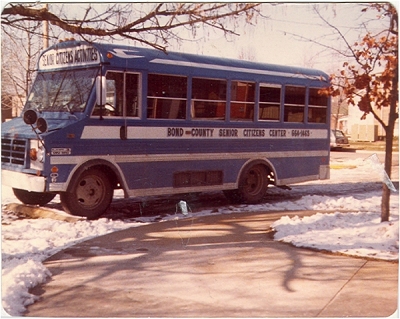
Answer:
(46, 30)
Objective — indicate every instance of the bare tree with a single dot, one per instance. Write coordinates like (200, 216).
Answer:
(19, 53)
(153, 24)
(247, 54)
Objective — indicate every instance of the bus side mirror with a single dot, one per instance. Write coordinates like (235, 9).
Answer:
(101, 90)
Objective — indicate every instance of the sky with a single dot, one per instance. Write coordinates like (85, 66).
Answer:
(276, 38)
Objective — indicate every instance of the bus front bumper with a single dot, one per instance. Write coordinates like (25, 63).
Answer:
(23, 181)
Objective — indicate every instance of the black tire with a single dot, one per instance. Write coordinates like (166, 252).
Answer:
(253, 184)
(90, 196)
(33, 198)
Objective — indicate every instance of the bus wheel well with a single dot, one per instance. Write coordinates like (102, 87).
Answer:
(110, 172)
(267, 165)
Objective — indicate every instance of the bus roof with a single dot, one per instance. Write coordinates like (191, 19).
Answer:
(83, 54)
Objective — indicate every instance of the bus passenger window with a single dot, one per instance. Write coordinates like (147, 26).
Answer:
(317, 106)
(208, 99)
(242, 100)
(166, 96)
(295, 98)
(270, 102)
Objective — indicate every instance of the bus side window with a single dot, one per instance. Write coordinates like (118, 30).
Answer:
(242, 100)
(166, 96)
(208, 99)
(295, 98)
(317, 106)
(270, 102)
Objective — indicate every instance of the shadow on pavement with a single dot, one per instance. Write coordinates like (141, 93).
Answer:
(224, 266)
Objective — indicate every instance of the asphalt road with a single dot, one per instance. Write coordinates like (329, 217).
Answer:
(212, 266)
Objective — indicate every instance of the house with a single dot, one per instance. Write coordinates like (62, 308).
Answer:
(339, 115)
(347, 118)
(368, 129)
(11, 106)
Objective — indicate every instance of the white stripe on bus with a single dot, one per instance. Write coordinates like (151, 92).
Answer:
(179, 132)
(148, 158)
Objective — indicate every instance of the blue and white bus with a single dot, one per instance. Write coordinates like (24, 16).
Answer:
(101, 117)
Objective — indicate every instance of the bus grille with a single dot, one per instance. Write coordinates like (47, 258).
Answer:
(13, 151)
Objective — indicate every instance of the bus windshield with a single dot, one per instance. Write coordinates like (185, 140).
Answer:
(59, 91)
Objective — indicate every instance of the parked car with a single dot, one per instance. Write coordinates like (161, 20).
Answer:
(338, 139)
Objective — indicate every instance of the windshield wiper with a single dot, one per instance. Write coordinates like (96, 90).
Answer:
(67, 107)
(59, 90)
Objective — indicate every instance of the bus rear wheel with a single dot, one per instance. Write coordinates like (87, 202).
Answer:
(33, 198)
(253, 185)
(91, 195)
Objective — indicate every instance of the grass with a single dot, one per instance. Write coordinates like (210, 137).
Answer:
(342, 166)
(374, 146)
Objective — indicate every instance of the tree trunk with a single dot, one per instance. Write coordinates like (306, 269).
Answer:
(385, 207)
(385, 213)
(389, 131)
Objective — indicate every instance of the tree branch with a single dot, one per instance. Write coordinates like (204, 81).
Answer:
(158, 22)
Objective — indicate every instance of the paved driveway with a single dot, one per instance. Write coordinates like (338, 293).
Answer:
(214, 266)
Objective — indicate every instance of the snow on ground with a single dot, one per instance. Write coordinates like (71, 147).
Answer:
(358, 234)
(26, 243)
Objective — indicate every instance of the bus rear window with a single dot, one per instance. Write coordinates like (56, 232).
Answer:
(317, 106)
(208, 99)
(295, 98)
(166, 97)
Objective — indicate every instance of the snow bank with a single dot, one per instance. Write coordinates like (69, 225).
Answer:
(26, 243)
(357, 234)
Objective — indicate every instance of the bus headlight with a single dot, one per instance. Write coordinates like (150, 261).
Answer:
(36, 155)
(33, 154)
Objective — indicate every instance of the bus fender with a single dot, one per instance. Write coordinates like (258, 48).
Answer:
(112, 170)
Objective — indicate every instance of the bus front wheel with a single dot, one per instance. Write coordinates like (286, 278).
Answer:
(91, 195)
(33, 198)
